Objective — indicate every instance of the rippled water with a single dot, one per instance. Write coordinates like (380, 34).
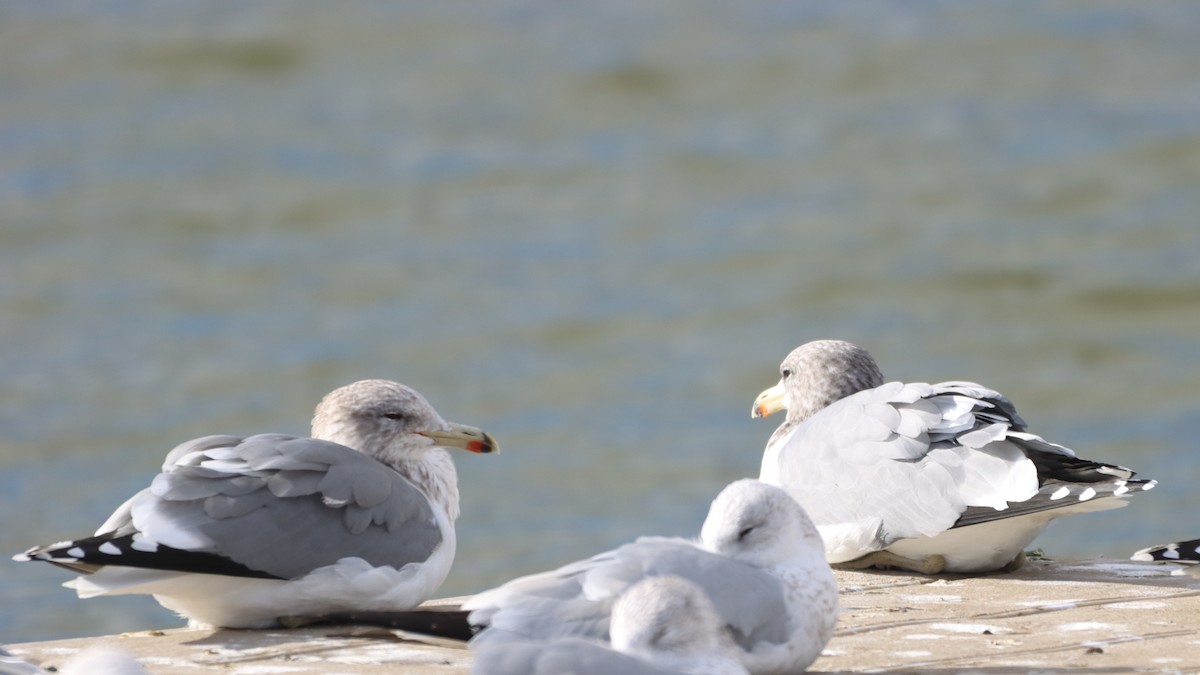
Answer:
(592, 230)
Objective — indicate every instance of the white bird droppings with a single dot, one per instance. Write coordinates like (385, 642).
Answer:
(1137, 604)
(1084, 625)
(977, 628)
(918, 599)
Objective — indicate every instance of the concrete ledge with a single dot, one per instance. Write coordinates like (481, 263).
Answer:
(1063, 616)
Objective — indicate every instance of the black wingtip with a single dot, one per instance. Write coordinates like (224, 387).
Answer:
(1183, 553)
(91, 553)
(451, 624)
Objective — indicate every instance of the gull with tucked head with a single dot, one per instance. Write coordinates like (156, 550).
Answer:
(240, 531)
(661, 625)
(759, 560)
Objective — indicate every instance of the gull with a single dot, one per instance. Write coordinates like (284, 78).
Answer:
(1186, 553)
(759, 559)
(662, 624)
(925, 477)
(240, 531)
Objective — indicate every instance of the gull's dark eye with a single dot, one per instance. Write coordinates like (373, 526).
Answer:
(786, 372)
(399, 417)
(744, 533)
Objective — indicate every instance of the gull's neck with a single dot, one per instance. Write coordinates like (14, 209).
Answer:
(428, 466)
(432, 470)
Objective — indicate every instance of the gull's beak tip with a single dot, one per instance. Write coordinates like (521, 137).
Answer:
(486, 446)
(768, 402)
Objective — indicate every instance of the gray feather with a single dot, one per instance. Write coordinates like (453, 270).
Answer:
(285, 505)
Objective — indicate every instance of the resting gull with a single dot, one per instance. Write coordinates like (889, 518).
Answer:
(758, 558)
(238, 532)
(661, 625)
(926, 477)
(1186, 553)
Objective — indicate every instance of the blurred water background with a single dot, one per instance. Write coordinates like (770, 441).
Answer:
(593, 229)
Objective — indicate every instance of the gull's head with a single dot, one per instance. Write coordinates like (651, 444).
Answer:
(760, 525)
(385, 418)
(666, 613)
(816, 374)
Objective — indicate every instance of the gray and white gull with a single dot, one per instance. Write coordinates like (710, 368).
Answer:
(662, 625)
(925, 477)
(759, 559)
(240, 531)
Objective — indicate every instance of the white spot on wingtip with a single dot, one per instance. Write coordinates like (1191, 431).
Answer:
(1170, 552)
(141, 543)
(109, 548)
(1060, 493)
(1120, 490)
(75, 552)
(1150, 485)
(1087, 494)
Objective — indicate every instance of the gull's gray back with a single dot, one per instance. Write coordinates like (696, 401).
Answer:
(911, 457)
(283, 505)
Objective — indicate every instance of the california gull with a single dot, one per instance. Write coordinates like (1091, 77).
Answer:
(239, 531)
(661, 625)
(926, 477)
(759, 559)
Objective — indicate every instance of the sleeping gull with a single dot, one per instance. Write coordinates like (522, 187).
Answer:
(758, 558)
(926, 477)
(1186, 553)
(237, 531)
(661, 625)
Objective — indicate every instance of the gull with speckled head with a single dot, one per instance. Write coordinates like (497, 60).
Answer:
(759, 559)
(241, 531)
(663, 625)
(925, 477)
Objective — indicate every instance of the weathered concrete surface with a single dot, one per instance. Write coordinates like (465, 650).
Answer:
(1095, 616)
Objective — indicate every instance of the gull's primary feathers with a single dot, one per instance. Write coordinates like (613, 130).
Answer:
(1185, 553)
